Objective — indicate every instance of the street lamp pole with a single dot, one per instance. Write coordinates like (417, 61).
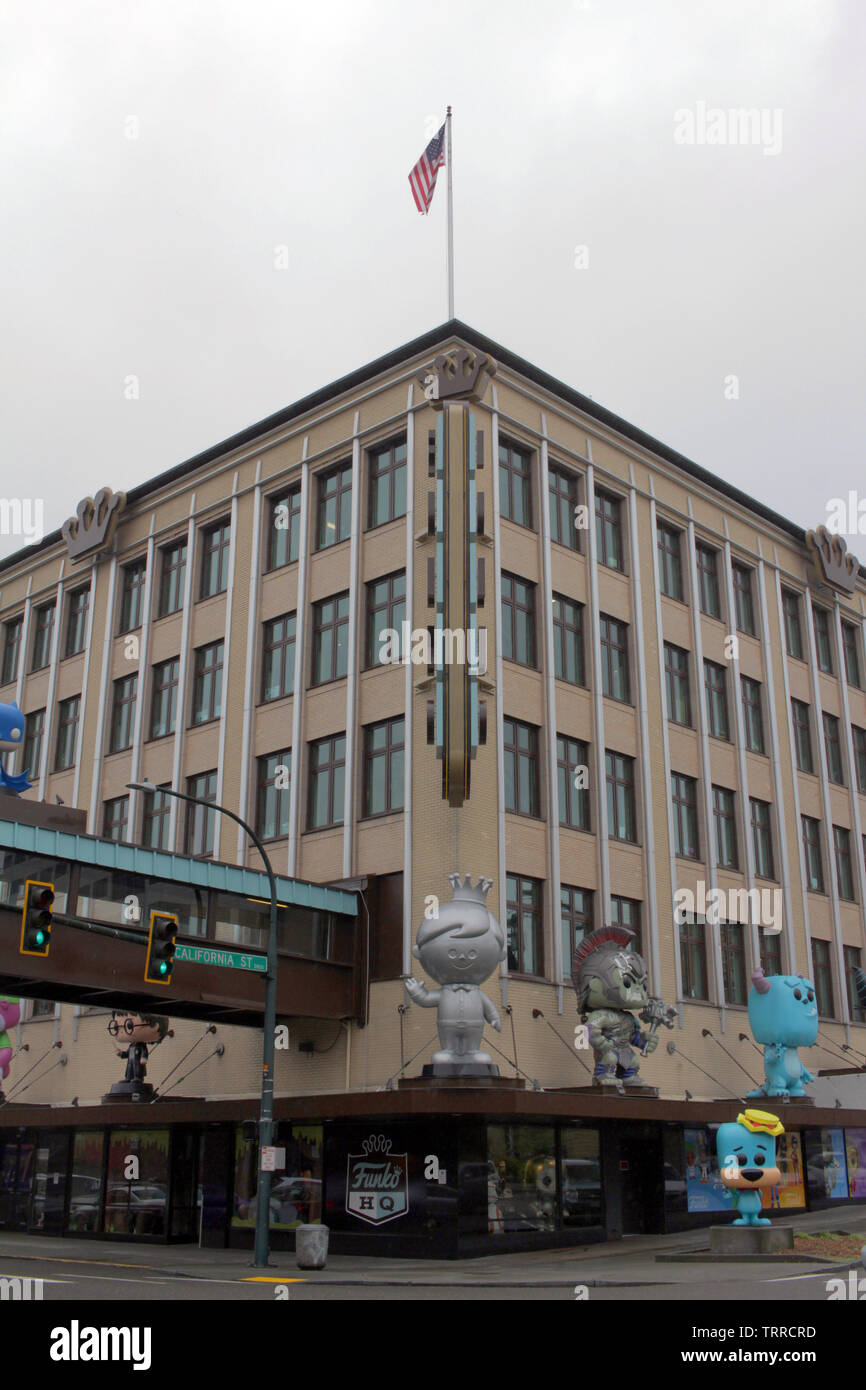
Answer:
(266, 1114)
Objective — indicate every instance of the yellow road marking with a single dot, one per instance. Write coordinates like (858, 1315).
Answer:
(268, 1279)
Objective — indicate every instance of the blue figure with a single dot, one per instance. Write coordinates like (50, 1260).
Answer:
(11, 735)
(783, 1016)
(747, 1162)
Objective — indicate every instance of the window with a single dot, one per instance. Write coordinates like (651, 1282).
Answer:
(571, 755)
(693, 960)
(172, 578)
(43, 629)
(621, 818)
(823, 644)
(156, 818)
(762, 838)
(851, 957)
(67, 733)
(812, 854)
(133, 578)
(562, 496)
(163, 700)
(11, 650)
(614, 658)
(387, 492)
(685, 806)
(518, 620)
(708, 581)
(677, 684)
(733, 963)
(386, 610)
(34, 728)
(576, 919)
(207, 689)
(802, 735)
(793, 630)
(278, 657)
(515, 484)
(716, 685)
(823, 977)
(330, 639)
(568, 662)
(76, 621)
(608, 530)
(670, 565)
(215, 559)
(625, 912)
(850, 650)
(334, 512)
(743, 601)
(859, 737)
(200, 820)
(284, 529)
(327, 782)
(833, 749)
(274, 775)
(725, 819)
(123, 714)
(844, 874)
(771, 953)
(115, 818)
(521, 767)
(753, 723)
(383, 767)
(523, 924)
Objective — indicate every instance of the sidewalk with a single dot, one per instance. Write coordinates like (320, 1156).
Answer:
(627, 1263)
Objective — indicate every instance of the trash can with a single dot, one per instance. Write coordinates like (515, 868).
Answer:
(311, 1246)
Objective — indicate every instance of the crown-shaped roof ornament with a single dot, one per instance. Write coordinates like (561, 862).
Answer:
(464, 888)
(94, 524)
(459, 375)
(833, 559)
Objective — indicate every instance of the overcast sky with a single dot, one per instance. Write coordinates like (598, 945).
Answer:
(155, 155)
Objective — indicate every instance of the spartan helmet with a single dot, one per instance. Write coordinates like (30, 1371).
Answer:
(606, 973)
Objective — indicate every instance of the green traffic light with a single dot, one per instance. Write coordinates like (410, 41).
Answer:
(163, 968)
(40, 938)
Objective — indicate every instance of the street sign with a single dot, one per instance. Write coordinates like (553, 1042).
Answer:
(273, 1158)
(211, 955)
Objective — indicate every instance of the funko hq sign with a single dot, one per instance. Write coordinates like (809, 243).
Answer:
(377, 1182)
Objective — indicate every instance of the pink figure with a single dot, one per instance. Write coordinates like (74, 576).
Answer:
(10, 1013)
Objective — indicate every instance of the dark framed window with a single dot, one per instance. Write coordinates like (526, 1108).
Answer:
(762, 838)
(518, 620)
(67, 733)
(34, 730)
(693, 960)
(812, 854)
(859, 739)
(327, 782)
(386, 610)
(284, 529)
(684, 797)
(163, 699)
(43, 630)
(387, 483)
(716, 686)
(833, 749)
(670, 564)
(330, 639)
(708, 581)
(523, 924)
(132, 584)
(852, 958)
(384, 746)
(172, 578)
(123, 713)
(621, 815)
(115, 819)
(793, 626)
(614, 658)
(725, 819)
(608, 530)
(76, 621)
(822, 974)
(568, 658)
(215, 545)
(515, 484)
(207, 686)
(851, 653)
(733, 963)
(278, 657)
(677, 685)
(334, 506)
(576, 918)
(572, 754)
(771, 952)
(743, 599)
(273, 784)
(200, 820)
(521, 767)
(844, 871)
(562, 497)
(11, 649)
(802, 735)
(156, 818)
(753, 720)
(823, 641)
(625, 912)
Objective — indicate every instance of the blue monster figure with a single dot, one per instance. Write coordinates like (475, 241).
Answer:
(783, 1016)
(11, 735)
(747, 1162)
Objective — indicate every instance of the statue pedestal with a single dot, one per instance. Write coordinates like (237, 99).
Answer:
(620, 1091)
(750, 1240)
(433, 1083)
(452, 1069)
(125, 1091)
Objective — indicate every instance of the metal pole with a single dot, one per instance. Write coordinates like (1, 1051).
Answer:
(450, 245)
(266, 1113)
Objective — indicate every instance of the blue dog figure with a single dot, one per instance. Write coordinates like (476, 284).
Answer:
(747, 1162)
(783, 1016)
(11, 734)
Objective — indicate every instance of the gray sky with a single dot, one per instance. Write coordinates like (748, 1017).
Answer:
(263, 124)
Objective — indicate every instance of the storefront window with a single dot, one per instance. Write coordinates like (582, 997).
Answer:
(16, 1169)
(136, 1197)
(826, 1165)
(49, 1186)
(855, 1149)
(522, 1179)
(582, 1201)
(85, 1186)
(296, 1192)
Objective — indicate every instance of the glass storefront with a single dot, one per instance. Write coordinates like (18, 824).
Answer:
(296, 1192)
(136, 1193)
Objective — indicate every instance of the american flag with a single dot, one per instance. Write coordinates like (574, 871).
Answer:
(422, 179)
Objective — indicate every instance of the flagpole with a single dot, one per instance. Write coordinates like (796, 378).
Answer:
(449, 258)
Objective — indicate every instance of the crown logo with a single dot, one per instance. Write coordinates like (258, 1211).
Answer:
(460, 375)
(832, 557)
(376, 1144)
(95, 523)
(464, 888)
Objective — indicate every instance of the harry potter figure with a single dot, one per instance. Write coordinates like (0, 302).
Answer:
(136, 1030)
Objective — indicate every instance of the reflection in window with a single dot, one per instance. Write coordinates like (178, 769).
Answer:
(521, 1178)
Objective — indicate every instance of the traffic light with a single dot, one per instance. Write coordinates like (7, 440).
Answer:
(160, 948)
(36, 918)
